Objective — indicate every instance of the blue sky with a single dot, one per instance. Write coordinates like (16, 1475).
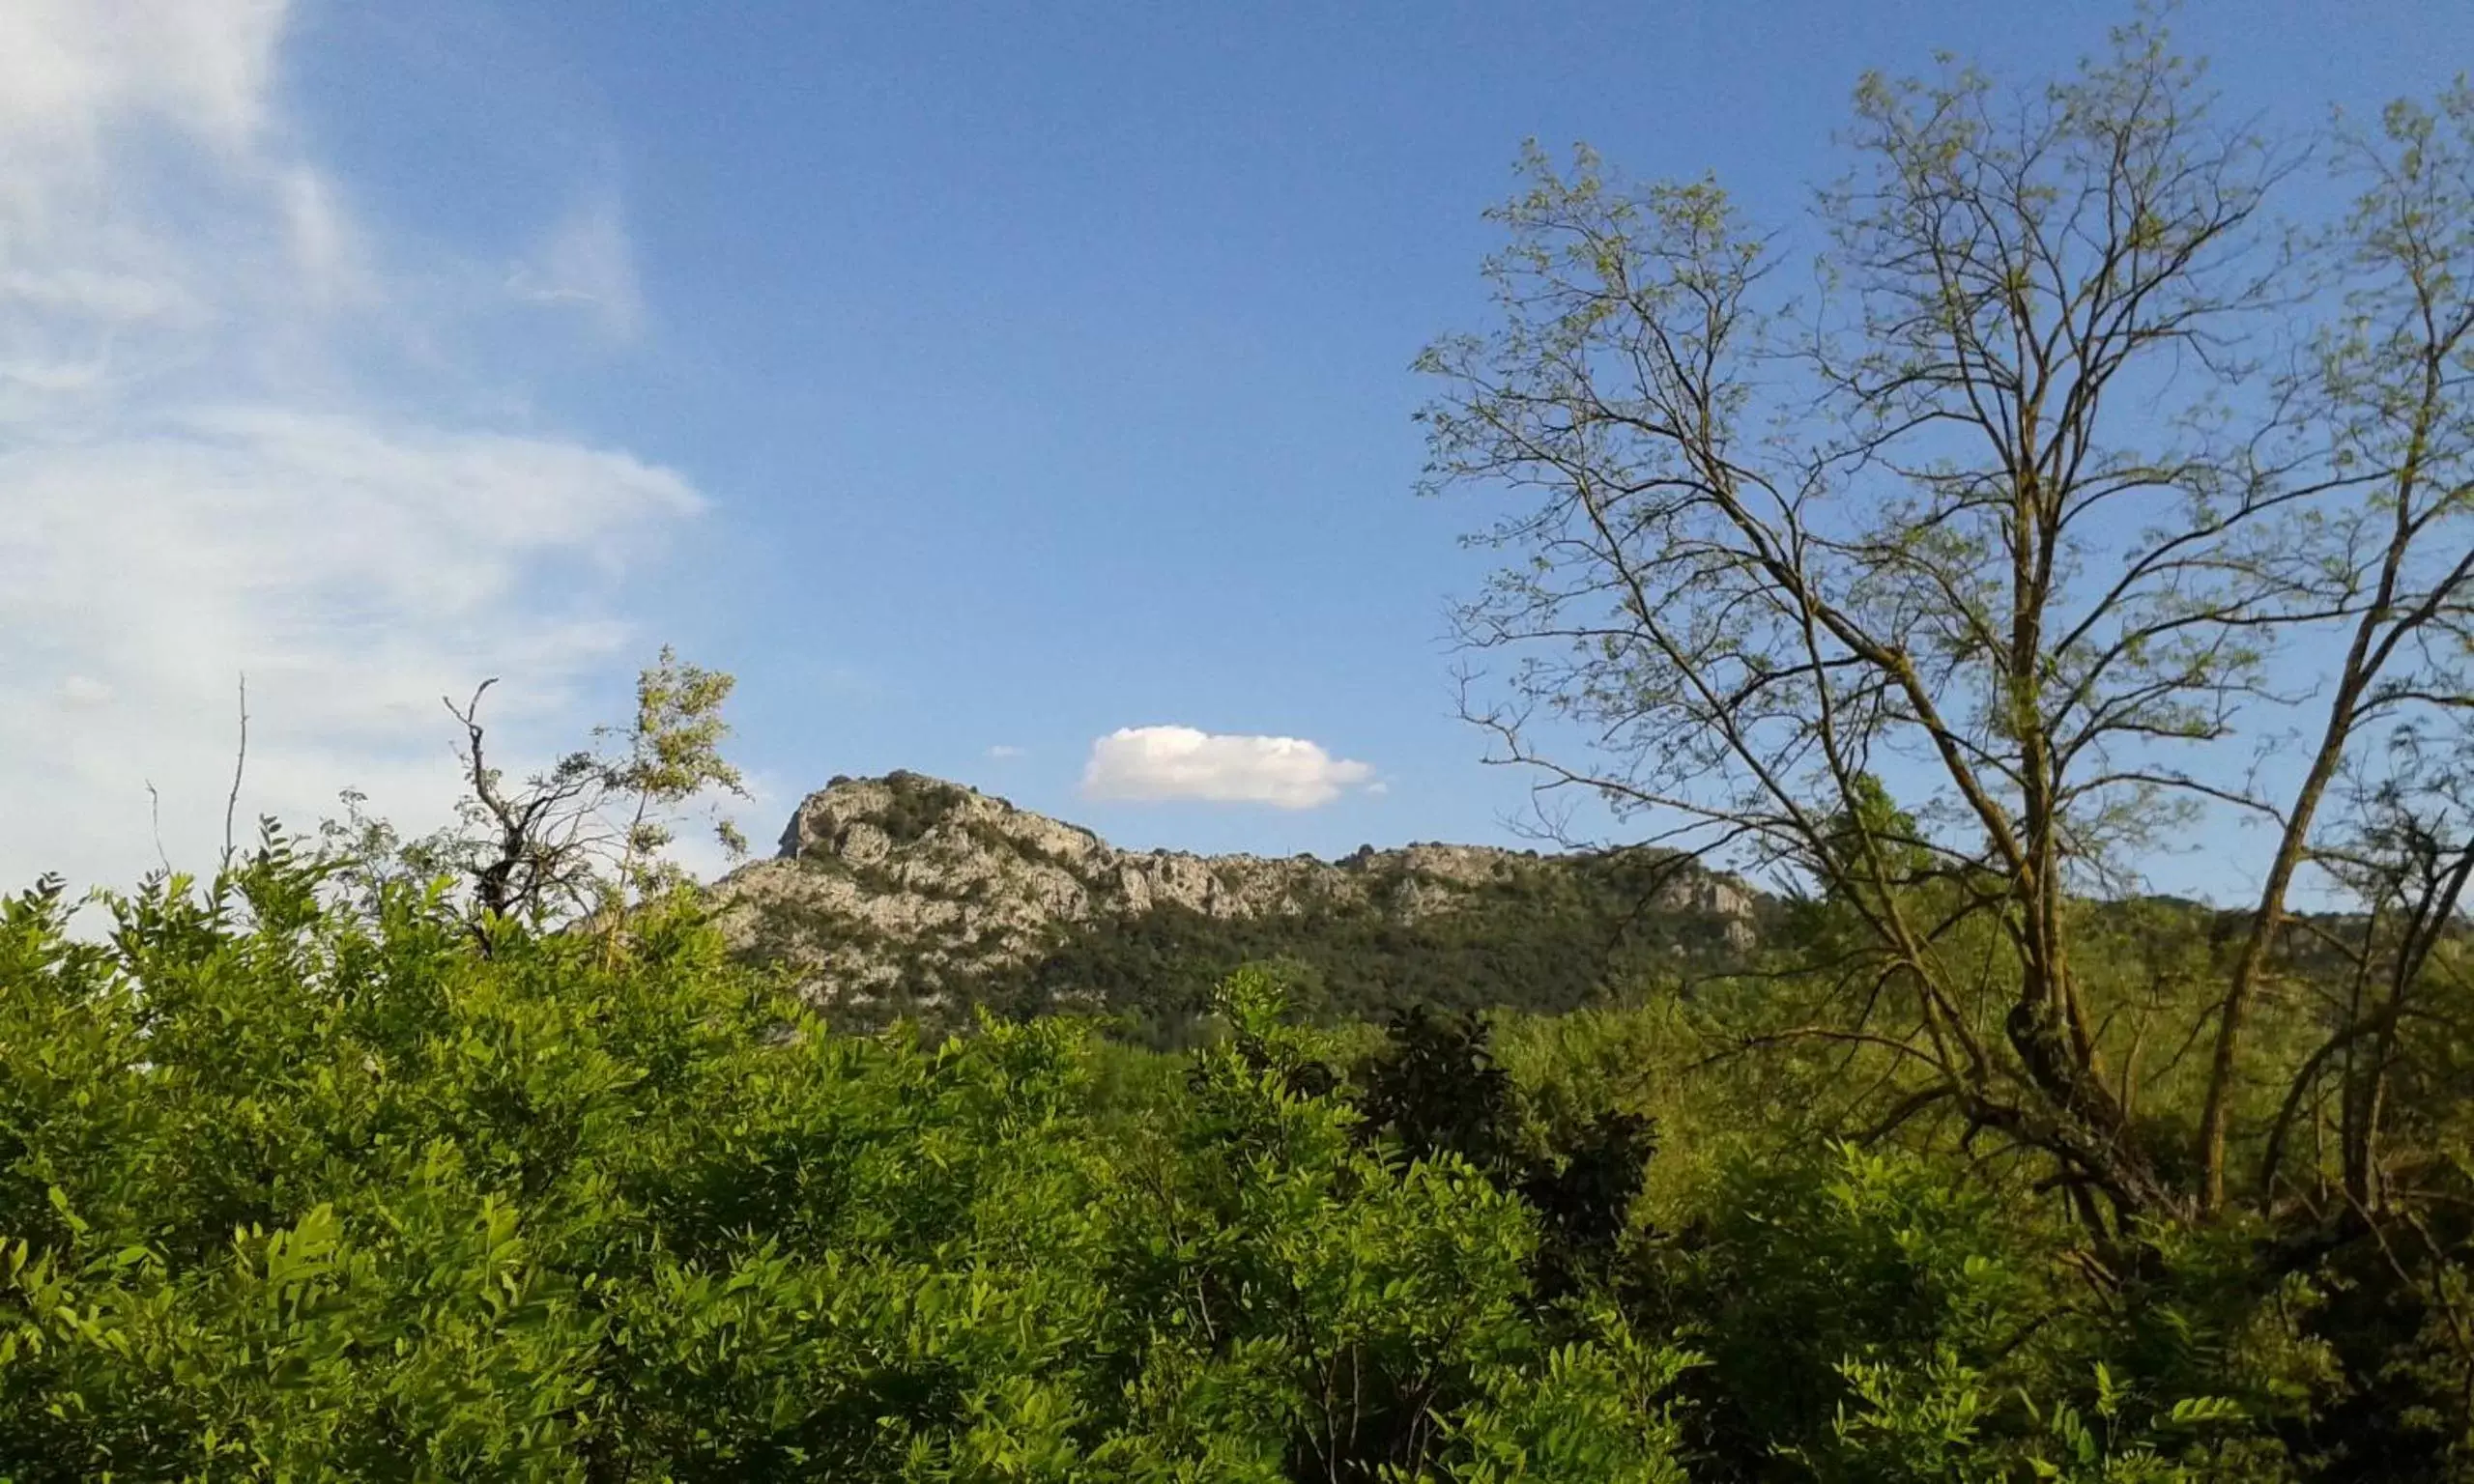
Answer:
(963, 377)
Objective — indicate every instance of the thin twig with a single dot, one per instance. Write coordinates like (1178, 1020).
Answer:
(239, 762)
(154, 812)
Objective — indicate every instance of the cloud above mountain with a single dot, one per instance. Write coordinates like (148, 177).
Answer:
(215, 462)
(1151, 764)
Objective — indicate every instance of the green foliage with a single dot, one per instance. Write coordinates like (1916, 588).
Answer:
(1435, 1089)
(300, 1182)
(919, 805)
(1540, 937)
(1868, 1317)
(291, 1189)
(668, 754)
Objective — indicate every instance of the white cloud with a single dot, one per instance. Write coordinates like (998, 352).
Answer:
(1002, 751)
(1150, 764)
(199, 484)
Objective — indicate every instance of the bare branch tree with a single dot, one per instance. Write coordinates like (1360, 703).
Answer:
(584, 840)
(2017, 515)
(527, 866)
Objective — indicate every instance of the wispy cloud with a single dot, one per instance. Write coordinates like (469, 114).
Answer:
(587, 264)
(1157, 763)
(1003, 751)
(199, 483)
(72, 75)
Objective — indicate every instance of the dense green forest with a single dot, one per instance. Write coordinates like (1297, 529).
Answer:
(1549, 940)
(2084, 501)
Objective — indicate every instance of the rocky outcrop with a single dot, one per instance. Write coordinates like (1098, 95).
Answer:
(911, 887)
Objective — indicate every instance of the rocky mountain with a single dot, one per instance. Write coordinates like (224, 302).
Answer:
(911, 895)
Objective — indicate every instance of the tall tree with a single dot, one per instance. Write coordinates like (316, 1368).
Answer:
(2036, 506)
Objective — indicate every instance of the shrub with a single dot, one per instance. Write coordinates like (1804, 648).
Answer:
(296, 1187)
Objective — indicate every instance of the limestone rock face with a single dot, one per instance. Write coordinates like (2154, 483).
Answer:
(911, 885)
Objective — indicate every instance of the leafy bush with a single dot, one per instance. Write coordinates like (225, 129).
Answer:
(1868, 1317)
(293, 1189)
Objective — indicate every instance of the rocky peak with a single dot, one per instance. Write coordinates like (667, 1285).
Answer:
(869, 818)
(919, 886)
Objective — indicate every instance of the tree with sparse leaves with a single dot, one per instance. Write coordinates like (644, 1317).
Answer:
(2077, 500)
(584, 840)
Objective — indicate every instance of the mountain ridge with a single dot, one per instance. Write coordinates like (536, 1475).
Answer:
(907, 893)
